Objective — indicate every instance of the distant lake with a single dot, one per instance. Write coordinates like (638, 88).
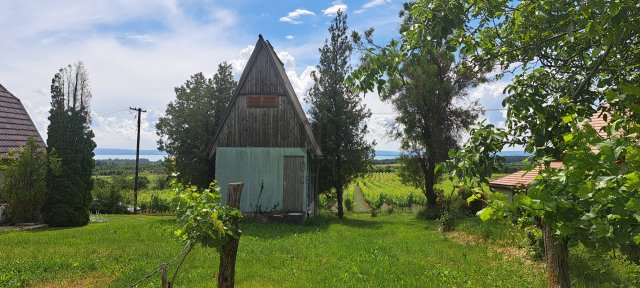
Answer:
(385, 157)
(154, 158)
(151, 158)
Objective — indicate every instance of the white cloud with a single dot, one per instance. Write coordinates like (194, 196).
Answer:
(238, 63)
(333, 9)
(490, 96)
(290, 37)
(371, 4)
(126, 67)
(293, 16)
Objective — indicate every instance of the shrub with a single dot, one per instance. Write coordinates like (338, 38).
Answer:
(24, 184)
(535, 245)
(428, 213)
(162, 182)
(63, 215)
(160, 205)
(107, 196)
(449, 217)
(326, 200)
(474, 206)
(348, 203)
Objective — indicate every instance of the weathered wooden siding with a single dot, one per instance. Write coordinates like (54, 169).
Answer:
(262, 126)
(256, 166)
(263, 79)
(294, 183)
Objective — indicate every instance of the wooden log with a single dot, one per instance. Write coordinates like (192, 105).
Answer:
(227, 268)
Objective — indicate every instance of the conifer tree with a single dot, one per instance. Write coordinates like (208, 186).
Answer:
(191, 120)
(338, 116)
(70, 138)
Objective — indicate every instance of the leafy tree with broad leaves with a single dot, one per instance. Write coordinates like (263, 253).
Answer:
(338, 115)
(570, 57)
(70, 137)
(24, 184)
(191, 121)
(202, 219)
(427, 84)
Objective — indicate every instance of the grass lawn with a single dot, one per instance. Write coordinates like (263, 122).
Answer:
(386, 251)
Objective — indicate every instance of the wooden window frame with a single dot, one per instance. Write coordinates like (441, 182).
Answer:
(262, 101)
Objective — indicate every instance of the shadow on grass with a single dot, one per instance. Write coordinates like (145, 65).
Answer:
(321, 222)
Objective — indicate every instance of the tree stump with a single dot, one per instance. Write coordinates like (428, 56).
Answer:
(227, 268)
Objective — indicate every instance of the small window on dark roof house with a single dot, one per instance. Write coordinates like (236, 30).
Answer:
(265, 101)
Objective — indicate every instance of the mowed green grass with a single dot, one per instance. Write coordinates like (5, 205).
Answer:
(386, 251)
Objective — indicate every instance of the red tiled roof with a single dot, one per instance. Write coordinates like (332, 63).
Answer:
(523, 177)
(15, 124)
(520, 178)
(597, 122)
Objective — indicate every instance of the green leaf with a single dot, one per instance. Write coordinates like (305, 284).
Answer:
(567, 137)
(486, 213)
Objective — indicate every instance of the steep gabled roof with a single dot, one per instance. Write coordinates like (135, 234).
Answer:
(289, 92)
(15, 124)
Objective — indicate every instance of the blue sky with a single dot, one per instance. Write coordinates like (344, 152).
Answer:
(136, 52)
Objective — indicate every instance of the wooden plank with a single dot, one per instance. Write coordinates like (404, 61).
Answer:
(293, 183)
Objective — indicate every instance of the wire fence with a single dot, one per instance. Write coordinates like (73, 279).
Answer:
(164, 267)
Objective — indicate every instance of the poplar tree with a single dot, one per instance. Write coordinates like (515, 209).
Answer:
(69, 137)
(338, 116)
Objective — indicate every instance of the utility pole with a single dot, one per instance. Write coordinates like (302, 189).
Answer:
(135, 185)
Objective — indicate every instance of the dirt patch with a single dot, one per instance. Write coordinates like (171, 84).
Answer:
(359, 202)
(513, 252)
(507, 252)
(463, 238)
(20, 228)
(91, 279)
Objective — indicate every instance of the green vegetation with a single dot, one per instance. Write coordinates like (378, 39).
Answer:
(385, 251)
(126, 167)
(191, 120)
(24, 184)
(69, 137)
(338, 115)
(390, 187)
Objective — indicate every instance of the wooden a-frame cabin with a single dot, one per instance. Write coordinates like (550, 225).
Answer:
(265, 140)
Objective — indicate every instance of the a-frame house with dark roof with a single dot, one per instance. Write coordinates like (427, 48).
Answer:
(15, 125)
(265, 140)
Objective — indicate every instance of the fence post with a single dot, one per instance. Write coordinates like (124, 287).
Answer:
(227, 268)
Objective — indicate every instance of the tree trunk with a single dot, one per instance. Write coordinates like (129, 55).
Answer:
(429, 182)
(556, 253)
(227, 268)
(339, 193)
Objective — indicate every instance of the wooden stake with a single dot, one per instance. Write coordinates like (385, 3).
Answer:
(227, 268)
(164, 275)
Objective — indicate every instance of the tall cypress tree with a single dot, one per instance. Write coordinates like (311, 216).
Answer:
(70, 138)
(338, 116)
